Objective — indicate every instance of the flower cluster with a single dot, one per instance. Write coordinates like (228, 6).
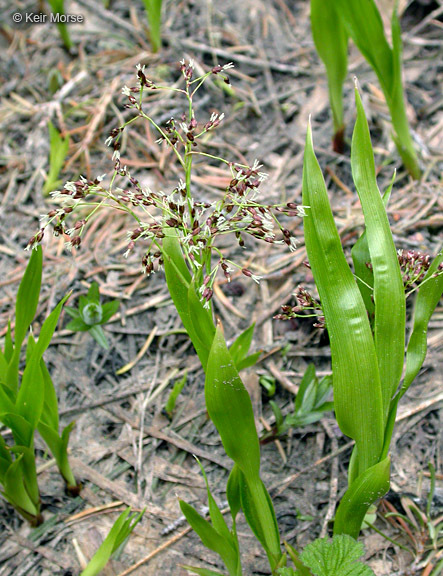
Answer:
(305, 302)
(413, 266)
(197, 224)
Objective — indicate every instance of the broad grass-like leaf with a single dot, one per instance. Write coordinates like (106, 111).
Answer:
(259, 512)
(390, 307)
(361, 257)
(15, 493)
(116, 538)
(230, 408)
(174, 394)
(58, 445)
(58, 151)
(363, 491)
(429, 294)
(212, 539)
(364, 25)
(331, 42)
(58, 7)
(30, 397)
(240, 347)
(25, 309)
(154, 14)
(356, 381)
(195, 318)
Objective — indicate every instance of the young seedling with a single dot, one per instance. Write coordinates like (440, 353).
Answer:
(310, 404)
(91, 315)
(332, 23)
(114, 542)
(58, 151)
(174, 394)
(29, 403)
(367, 357)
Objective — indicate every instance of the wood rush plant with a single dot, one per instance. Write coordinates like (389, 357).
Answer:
(29, 403)
(365, 319)
(333, 23)
(365, 316)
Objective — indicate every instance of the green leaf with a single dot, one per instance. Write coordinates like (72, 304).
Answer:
(94, 293)
(174, 393)
(390, 307)
(9, 346)
(331, 42)
(249, 361)
(21, 429)
(50, 406)
(339, 557)
(25, 309)
(229, 407)
(277, 415)
(233, 492)
(218, 522)
(308, 378)
(240, 347)
(302, 570)
(361, 257)
(109, 309)
(57, 7)
(212, 539)
(363, 491)
(99, 336)
(30, 398)
(58, 446)
(117, 536)
(259, 513)
(154, 14)
(357, 389)
(236, 425)
(77, 325)
(396, 103)
(27, 459)
(178, 279)
(58, 151)
(15, 492)
(364, 25)
(201, 571)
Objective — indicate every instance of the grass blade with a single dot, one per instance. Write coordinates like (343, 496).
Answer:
(331, 42)
(371, 485)
(356, 382)
(25, 309)
(390, 307)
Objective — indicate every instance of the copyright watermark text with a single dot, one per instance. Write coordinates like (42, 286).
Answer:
(41, 18)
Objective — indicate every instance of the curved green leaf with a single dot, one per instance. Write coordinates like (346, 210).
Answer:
(366, 489)
(356, 381)
(331, 42)
(389, 297)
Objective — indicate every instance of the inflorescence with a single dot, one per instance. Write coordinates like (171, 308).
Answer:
(198, 223)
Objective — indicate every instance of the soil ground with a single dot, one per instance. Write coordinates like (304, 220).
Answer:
(123, 449)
